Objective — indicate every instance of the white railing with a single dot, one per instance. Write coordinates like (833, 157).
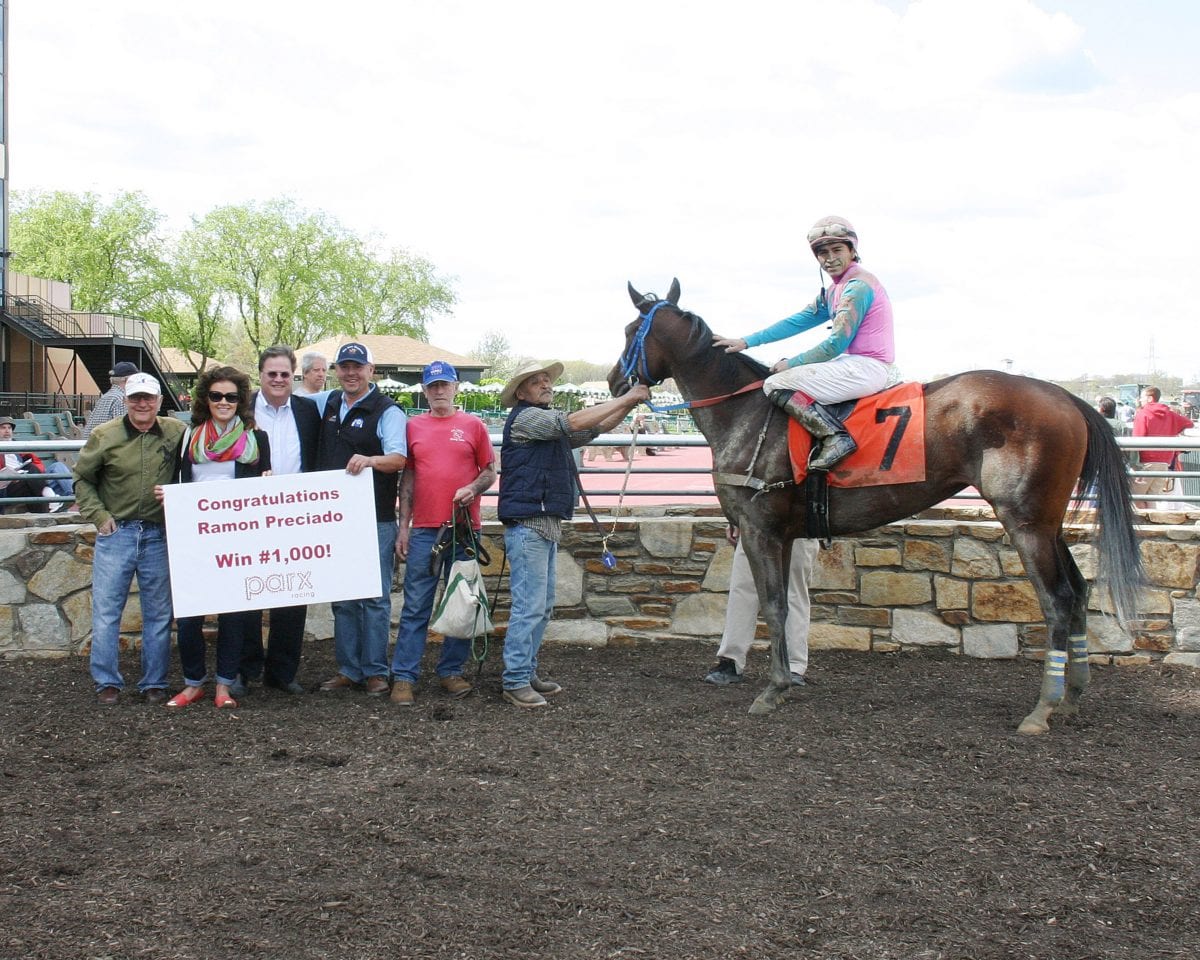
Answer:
(1187, 487)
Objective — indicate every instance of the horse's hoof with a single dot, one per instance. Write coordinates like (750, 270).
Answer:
(1033, 728)
(761, 705)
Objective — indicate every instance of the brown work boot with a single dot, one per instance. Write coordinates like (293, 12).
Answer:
(337, 684)
(376, 686)
(402, 693)
(456, 687)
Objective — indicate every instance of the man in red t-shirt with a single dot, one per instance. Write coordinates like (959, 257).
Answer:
(449, 463)
(1155, 419)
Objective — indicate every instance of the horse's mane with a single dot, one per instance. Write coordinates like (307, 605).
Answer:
(729, 365)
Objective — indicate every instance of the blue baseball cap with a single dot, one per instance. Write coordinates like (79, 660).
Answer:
(437, 372)
(353, 353)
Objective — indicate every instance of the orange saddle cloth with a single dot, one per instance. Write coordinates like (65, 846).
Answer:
(889, 429)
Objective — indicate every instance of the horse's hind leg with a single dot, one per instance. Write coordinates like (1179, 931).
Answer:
(1042, 552)
(1078, 669)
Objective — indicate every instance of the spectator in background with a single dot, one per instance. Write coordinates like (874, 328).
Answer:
(118, 469)
(1108, 410)
(40, 480)
(314, 369)
(1156, 419)
(112, 403)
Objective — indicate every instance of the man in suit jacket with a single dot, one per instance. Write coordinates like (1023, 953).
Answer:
(294, 426)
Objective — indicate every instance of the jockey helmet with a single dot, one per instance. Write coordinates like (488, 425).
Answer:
(832, 230)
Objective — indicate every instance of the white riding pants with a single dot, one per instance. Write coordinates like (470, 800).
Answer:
(845, 377)
(741, 615)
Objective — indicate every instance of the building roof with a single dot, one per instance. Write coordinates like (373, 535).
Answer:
(394, 351)
(184, 361)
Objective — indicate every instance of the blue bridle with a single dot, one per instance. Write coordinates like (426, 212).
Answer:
(634, 366)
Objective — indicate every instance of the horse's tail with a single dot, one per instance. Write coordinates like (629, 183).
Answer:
(1103, 472)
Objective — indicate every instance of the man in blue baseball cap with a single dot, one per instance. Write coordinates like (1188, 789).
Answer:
(449, 465)
(362, 429)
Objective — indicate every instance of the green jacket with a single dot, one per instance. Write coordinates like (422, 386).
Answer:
(119, 467)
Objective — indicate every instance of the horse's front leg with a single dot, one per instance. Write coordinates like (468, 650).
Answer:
(772, 595)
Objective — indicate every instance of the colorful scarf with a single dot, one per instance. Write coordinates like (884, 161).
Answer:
(208, 445)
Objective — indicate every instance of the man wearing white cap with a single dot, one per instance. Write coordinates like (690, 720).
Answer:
(118, 469)
(361, 429)
(537, 493)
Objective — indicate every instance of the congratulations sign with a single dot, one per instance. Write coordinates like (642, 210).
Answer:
(271, 542)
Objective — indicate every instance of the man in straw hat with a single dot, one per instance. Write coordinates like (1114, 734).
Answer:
(537, 493)
(855, 360)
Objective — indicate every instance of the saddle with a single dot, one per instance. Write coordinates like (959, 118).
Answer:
(889, 428)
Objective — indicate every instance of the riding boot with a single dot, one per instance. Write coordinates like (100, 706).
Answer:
(835, 443)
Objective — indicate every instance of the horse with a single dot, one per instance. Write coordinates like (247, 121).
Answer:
(1024, 444)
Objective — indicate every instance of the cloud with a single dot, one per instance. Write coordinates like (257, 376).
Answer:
(999, 170)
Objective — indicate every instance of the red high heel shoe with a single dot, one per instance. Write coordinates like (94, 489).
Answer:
(186, 697)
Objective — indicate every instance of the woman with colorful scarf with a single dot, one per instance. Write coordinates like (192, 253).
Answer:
(221, 444)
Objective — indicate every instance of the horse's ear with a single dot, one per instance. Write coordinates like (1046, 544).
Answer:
(673, 293)
(635, 297)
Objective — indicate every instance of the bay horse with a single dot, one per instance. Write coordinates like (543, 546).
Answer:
(1024, 444)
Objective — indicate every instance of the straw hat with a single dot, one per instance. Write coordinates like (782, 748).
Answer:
(508, 396)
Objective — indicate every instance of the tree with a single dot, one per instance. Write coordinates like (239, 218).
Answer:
(191, 307)
(110, 253)
(394, 296)
(494, 350)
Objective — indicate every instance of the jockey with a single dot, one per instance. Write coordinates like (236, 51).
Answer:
(855, 360)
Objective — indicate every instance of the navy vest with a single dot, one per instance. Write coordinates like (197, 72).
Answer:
(358, 433)
(537, 479)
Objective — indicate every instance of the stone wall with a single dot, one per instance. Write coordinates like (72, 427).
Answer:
(949, 579)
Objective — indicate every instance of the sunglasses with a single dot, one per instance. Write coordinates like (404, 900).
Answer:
(215, 397)
(277, 375)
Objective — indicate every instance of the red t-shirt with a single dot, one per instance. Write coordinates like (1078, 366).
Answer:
(1158, 420)
(444, 454)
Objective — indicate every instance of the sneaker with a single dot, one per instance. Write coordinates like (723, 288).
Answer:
(798, 680)
(240, 687)
(547, 688)
(402, 693)
(456, 687)
(525, 696)
(724, 673)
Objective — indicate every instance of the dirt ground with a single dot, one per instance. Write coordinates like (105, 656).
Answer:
(889, 811)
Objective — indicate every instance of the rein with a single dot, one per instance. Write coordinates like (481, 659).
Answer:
(636, 369)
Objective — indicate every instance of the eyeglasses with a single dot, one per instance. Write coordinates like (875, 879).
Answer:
(142, 397)
(214, 397)
(277, 375)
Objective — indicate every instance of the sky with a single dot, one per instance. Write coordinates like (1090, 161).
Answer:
(1021, 173)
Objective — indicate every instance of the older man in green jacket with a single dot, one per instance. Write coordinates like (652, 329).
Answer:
(121, 464)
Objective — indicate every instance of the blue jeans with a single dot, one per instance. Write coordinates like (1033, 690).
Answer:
(419, 588)
(232, 630)
(361, 627)
(141, 548)
(61, 484)
(531, 583)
